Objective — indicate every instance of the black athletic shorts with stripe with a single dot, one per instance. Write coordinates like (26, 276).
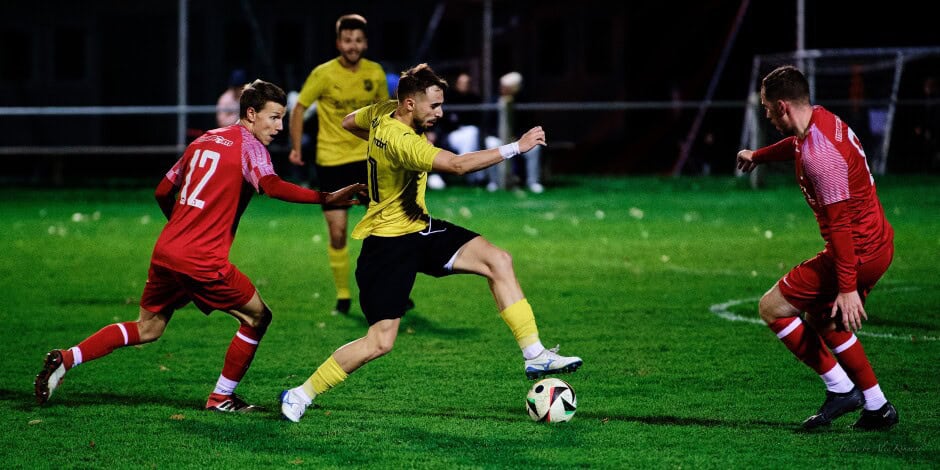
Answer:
(387, 266)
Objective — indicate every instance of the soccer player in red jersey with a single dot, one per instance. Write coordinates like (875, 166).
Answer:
(216, 178)
(831, 287)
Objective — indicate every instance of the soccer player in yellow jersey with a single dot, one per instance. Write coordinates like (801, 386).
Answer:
(400, 238)
(339, 87)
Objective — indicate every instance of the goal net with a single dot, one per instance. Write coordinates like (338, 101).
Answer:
(873, 90)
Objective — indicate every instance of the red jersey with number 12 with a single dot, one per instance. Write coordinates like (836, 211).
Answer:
(217, 176)
(830, 168)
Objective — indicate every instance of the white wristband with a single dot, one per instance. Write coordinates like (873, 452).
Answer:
(509, 150)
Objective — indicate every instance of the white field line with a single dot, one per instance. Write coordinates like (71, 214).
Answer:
(722, 311)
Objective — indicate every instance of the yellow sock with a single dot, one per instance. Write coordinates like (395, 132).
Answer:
(521, 321)
(327, 376)
(339, 263)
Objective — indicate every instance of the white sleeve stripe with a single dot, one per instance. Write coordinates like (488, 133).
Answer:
(245, 338)
(123, 332)
(789, 329)
(846, 345)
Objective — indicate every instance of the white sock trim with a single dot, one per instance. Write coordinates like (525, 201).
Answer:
(123, 332)
(874, 398)
(299, 391)
(76, 356)
(789, 329)
(837, 380)
(225, 386)
(846, 345)
(245, 338)
(533, 350)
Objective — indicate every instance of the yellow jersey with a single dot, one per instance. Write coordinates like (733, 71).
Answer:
(398, 159)
(339, 91)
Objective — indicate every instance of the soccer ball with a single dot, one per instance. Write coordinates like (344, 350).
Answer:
(551, 400)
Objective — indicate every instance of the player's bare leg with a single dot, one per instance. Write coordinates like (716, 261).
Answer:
(254, 316)
(377, 342)
(479, 256)
(842, 396)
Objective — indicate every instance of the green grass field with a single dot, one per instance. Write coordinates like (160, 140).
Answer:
(639, 276)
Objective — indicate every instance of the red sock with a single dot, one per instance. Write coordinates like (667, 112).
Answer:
(804, 343)
(852, 357)
(107, 339)
(238, 358)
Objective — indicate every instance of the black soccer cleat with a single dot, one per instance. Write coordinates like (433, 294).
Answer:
(877, 420)
(342, 306)
(50, 377)
(836, 405)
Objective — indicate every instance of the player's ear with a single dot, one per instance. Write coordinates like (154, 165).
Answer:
(250, 114)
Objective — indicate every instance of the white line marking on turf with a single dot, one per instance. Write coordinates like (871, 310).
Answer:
(721, 310)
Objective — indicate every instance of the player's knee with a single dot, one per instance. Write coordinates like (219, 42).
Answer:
(381, 347)
(500, 262)
(261, 321)
(150, 331)
(768, 308)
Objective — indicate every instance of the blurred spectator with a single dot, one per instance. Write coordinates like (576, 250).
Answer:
(226, 108)
(460, 130)
(509, 87)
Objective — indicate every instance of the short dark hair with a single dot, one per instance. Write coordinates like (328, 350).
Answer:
(257, 94)
(786, 83)
(351, 21)
(417, 79)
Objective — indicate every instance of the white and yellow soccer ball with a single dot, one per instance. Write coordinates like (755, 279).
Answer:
(552, 401)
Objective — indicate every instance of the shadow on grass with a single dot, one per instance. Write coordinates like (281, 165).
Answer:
(414, 323)
(692, 421)
(24, 400)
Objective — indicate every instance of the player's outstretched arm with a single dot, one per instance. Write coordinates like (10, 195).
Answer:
(344, 196)
(275, 187)
(448, 162)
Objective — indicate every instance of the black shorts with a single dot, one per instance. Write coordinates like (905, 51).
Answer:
(337, 177)
(387, 266)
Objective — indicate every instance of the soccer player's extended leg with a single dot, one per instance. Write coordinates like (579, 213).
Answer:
(254, 318)
(804, 342)
(481, 257)
(377, 342)
(148, 327)
(338, 253)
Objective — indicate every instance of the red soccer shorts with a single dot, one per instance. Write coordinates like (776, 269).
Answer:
(169, 289)
(812, 286)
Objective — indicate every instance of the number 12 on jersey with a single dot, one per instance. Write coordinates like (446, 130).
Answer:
(200, 158)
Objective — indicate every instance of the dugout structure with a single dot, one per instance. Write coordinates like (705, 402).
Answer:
(873, 90)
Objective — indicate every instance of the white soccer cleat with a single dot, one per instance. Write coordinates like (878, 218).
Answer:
(536, 188)
(293, 405)
(550, 362)
(49, 378)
